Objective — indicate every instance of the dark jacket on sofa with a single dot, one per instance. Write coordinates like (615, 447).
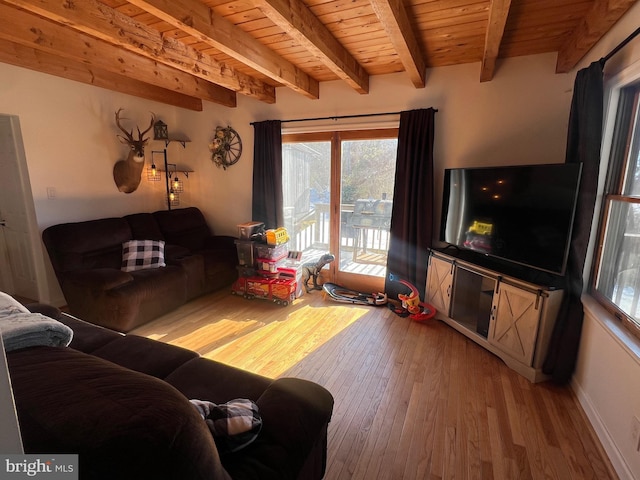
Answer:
(121, 402)
(87, 260)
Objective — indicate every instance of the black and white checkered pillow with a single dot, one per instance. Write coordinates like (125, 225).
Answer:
(140, 254)
(234, 424)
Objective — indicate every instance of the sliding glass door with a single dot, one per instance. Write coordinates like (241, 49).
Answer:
(338, 192)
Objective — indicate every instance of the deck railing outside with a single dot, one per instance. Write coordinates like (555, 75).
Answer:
(361, 246)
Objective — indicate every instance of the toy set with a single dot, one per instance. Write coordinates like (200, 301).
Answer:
(410, 304)
(264, 272)
(346, 295)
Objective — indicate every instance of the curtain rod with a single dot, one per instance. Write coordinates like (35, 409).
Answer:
(339, 117)
(621, 45)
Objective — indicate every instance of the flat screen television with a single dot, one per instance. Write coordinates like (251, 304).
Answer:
(521, 214)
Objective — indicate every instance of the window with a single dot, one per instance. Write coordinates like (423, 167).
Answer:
(617, 276)
(338, 193)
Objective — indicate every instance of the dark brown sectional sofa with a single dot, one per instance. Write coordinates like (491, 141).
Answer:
(87, 259)
(121, 402)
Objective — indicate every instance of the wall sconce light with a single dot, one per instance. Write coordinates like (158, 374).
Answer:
(153, 174)
(177, 184)
(174, 186)
(174, 198)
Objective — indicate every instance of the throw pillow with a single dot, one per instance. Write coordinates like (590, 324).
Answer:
(234, 424)
(141, 254)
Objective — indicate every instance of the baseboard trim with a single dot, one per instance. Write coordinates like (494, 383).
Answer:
(618, 462)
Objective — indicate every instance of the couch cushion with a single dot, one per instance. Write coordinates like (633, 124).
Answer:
(87, 336)
(143, 226)
(206, 379)
(145, 355)
(90, 244)
(141, 254)
(123, 424)
(184, 226)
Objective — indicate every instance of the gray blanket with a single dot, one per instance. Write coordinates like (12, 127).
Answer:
(21, 329)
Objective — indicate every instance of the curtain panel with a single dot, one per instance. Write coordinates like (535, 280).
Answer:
(412, 213)
(583, 146)
(267, 202)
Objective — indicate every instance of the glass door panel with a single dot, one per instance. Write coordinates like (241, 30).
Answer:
(367, 180)
(306, 184)
(337, 196)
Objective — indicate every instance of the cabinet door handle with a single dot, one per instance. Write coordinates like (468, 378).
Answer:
(449, 291)
(493, 313)
(538, 296)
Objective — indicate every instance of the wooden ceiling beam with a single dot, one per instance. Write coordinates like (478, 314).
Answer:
(295, 18)
(198, 20)
(26, 57)
(498, 13)
(98, 20)
(394, 19)
(600, 18)
(33, 31)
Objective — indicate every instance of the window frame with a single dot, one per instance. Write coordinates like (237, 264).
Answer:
(627, 119)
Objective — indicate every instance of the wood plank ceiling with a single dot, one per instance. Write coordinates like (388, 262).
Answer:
(184, 52)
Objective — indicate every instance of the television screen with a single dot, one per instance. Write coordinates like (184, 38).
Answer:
(523, 214)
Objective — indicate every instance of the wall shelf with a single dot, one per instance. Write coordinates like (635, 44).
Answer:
(179, 138)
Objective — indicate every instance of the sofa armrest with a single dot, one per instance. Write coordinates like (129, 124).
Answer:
(295, 415)
(45, 309)
(98, 278)
(220, 242)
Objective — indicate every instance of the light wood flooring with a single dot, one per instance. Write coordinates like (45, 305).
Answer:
(412, 401)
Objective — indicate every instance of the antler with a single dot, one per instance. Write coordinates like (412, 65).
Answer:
(129, 135)
(153, 121)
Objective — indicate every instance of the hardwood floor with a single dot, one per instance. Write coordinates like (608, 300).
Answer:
(412, 401)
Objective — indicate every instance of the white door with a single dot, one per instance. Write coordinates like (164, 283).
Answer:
(17, 215)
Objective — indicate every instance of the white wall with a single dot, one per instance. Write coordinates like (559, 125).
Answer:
(520, 117)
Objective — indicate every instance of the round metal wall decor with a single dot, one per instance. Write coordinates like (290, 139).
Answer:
(226, 147)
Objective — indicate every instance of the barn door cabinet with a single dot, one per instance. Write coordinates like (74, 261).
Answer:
(510, 317)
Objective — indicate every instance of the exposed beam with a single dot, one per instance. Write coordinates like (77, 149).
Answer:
(101, 21)
(26, 57)
(197, 19)
(33, 31)
(600, 18)
(498, 13)
(393, 17)
(295, 18)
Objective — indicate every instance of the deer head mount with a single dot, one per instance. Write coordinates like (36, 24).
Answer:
(127, 173)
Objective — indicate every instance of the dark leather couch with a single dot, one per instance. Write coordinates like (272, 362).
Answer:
(121, 402)
(87, 258)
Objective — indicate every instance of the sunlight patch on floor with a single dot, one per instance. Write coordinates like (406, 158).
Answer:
(210, 336)
(277, 346)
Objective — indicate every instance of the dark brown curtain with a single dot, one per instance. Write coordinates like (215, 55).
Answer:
(267, 205)
(412, 213)
(583, 146)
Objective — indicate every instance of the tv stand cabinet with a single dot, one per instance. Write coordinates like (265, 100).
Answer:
(510, 317)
